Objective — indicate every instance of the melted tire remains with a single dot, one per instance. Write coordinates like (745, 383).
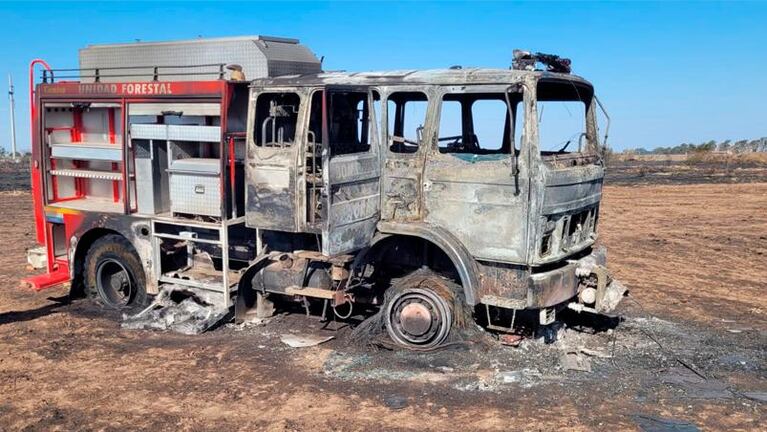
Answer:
(419, 314)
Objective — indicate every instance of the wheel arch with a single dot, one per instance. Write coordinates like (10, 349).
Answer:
(464, 263)
(78, 253)
(136, 231)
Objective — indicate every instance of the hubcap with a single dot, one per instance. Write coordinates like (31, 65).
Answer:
(113, 283)
(418, 318)
(415, 319)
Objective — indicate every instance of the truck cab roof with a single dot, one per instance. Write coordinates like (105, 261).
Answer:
(451, 76)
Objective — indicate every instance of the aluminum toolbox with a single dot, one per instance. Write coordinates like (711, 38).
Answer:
(195, 186)
(259, 56)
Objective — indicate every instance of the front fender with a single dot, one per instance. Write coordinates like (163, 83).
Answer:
(455, 250)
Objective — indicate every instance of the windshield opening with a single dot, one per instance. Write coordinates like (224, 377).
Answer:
(406, 113)
(562, 117)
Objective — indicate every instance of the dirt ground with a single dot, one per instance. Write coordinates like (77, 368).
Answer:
(690, 347)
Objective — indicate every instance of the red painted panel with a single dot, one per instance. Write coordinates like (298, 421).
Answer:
(133, 89)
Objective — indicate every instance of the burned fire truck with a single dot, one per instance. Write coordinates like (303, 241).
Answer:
(415, 194)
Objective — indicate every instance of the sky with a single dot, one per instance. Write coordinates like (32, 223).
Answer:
(668, 73)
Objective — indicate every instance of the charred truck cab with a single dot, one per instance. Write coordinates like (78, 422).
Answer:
(423, 191)
(416, 195)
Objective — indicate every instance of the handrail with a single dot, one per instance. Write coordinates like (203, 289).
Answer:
(607, 116)
(37, 194)
(51, 75)
(32, 87)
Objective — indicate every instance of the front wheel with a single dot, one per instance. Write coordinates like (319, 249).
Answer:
(113, 274)
(419, 311)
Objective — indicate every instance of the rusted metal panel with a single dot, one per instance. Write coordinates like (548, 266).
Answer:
(353, 168)
(552, 287)
(503, 285)
(572, 188)
(270, 199)
(401, 201)
(354, 202)
(559, 285)
(478, 204)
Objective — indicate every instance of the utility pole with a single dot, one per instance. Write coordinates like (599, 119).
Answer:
(13, 117)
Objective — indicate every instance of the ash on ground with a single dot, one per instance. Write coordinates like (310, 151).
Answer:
(644, 355)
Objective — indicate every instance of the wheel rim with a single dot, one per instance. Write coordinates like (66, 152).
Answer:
(114, 283)
(418, 319)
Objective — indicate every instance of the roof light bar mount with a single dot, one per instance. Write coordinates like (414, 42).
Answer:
(526, 60)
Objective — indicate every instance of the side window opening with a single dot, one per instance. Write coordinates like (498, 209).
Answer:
(562, 117)
(478, 123)
(450, 126)
(487, 115)
(349, 123)
(406, 113)
(276, 119)
(315, 118)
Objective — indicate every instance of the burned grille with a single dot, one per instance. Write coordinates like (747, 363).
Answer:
(565, 232)
(578, 228)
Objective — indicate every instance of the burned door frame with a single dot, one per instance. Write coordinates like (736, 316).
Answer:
(351, 182)
(402, 173)
(485, 188)
(271, 172)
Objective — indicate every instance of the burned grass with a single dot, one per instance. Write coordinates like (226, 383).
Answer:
(688, 171)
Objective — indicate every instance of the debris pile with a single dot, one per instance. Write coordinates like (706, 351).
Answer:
(180, 309)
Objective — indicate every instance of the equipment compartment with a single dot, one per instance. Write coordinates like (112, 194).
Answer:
(195, 186)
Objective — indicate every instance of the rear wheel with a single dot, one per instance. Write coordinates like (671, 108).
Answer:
(419, 311)
(114, 276)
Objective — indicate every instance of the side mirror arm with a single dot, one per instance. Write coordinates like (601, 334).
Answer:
(607, 116)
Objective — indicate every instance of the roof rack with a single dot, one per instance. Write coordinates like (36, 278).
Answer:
(155, 72)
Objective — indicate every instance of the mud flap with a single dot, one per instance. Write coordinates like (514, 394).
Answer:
(252, 304)
(251, 301)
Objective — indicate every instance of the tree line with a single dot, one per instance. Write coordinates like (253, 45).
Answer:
(740, 146)
(6, 154)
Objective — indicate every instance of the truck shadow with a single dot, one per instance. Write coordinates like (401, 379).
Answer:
(33, 314)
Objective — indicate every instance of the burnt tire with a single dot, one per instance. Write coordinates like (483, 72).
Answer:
(419, 310)
(114, 276)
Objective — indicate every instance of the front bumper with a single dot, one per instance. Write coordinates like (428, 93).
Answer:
(558, 286)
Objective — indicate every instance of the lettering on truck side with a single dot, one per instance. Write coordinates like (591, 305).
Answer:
(127, 89)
